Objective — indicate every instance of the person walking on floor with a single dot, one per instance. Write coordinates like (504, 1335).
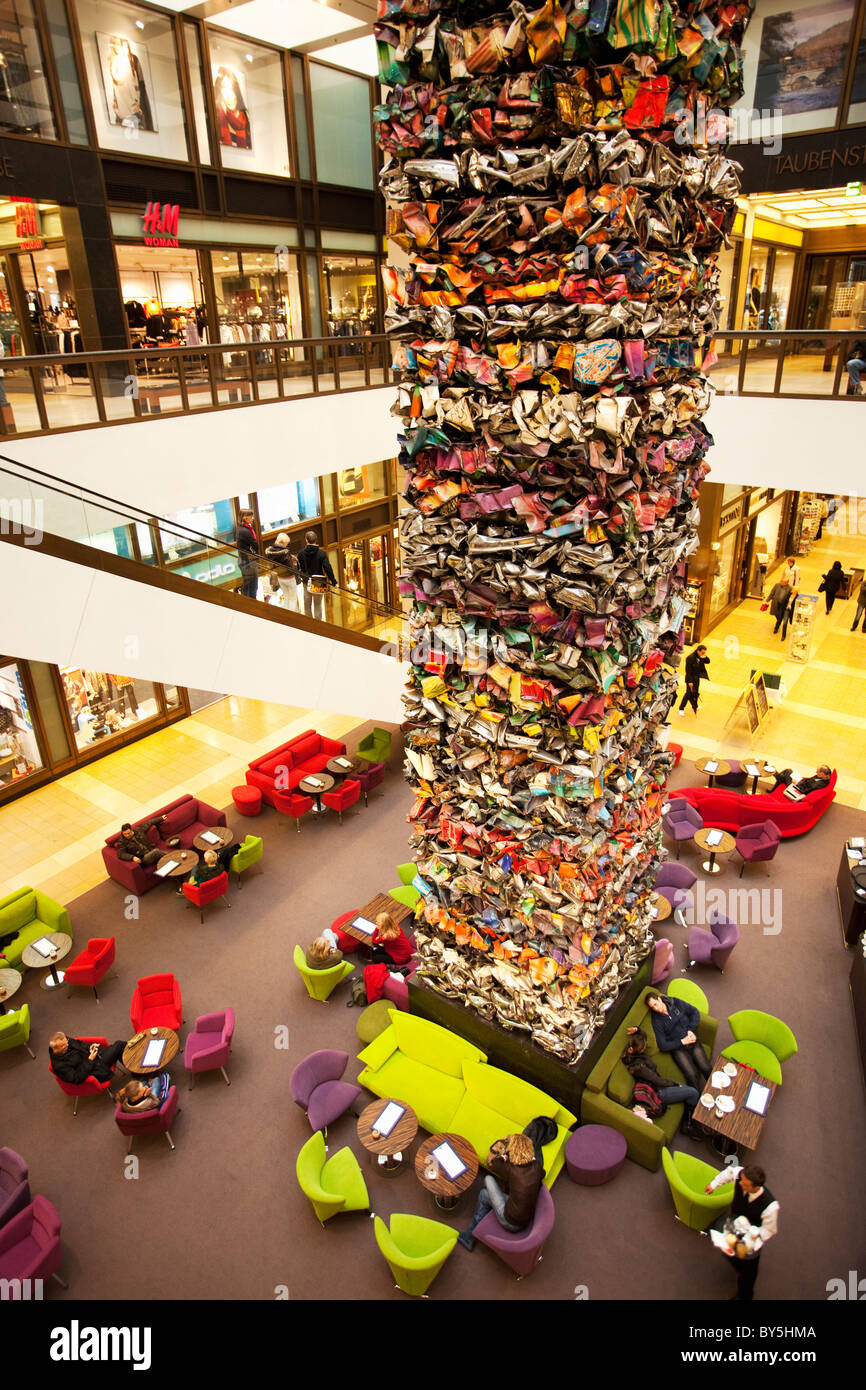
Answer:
(755, 1214)
(791, 573)
(696, 671)
(247, 543)
(788, 614)
(779, 597)
(861, 608)
(824, 512)
(831, 583)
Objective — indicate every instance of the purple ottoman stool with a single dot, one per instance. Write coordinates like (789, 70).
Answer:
(594, 1154)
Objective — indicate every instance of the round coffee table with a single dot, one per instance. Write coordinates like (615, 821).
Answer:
(10, 983)
(661, 908)
(594, 1154)
(446, 1192)
(390, 1152)
(185, 862)
(344, 766)
(324, 782)
(35, 959)
(721, 768)
(725, 845)
(134, 1051)
(226, 837)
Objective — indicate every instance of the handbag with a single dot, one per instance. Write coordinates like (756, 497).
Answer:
(764, 607)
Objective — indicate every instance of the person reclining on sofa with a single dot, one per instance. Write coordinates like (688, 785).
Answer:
(514, 1162)
(642, 1068)
(675, 1025)
(135, 846)
(817, 782)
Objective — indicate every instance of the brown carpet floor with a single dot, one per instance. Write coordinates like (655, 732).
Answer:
(223, 1218)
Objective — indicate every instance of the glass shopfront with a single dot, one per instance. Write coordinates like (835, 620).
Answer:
(286, 506)
(19, 749)
(767, 542)
(258, 296)
(250, 101)
(350, 288)
(723, 573)
(102, 706)
(25, 101)
(836, 292)
(365, 483)
(163, 296)
(38, 302)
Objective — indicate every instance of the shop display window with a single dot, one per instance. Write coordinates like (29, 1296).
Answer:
(364, 483)
(163, 296)
(51, 300)
(197, 81)
(102, 705)
(727, 285)
(214, 521)
(794, 56)
(350, 285)
(133, 77)
(301, 134)
(341, 124)
(249, 96)
(780, 289)
(19, 750)
(258, 296)
(25, 102)
(284, 506)
(721, 574)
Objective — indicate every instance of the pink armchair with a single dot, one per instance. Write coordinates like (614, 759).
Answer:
(30, 1245)
(757, 843)
(149, 1121)
(209, 1045)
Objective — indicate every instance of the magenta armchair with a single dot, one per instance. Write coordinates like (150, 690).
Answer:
(156, 1003)
(682, 820)
(713, 947)
(149, 1121)
(14, 1185)
(92, 964)
(663, 961)
(521, 1250)
(757, 843)
(30, 1245)
(317, 1087)
(209, 1045)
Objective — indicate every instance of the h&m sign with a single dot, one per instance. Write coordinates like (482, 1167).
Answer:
(161, 223)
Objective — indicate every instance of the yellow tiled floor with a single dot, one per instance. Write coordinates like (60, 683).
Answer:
(53, 837)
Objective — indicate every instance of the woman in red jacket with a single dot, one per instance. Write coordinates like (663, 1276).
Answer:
(392, 951)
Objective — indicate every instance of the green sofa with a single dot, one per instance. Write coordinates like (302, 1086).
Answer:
(31, 914)
(607, 1094)
(449, 1085)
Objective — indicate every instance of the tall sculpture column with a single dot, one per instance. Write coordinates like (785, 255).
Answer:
(548, 173)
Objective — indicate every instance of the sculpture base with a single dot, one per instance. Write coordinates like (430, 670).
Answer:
(515, 1052)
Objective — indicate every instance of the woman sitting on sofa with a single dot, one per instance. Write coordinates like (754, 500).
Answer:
(642, 1068)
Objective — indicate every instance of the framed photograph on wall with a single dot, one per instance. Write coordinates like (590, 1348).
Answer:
(802, 58)
(127, 83)
(232, 114)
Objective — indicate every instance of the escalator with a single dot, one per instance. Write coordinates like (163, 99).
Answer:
(88, 580)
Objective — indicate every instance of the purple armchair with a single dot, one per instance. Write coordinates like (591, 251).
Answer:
(713, 947)
(30, 1245)
(757, 843)
(397, 991)
(521, 1250)
(373, 777)
(682, 820)
(663, 961)
(317, 1087)
(149, 1121)
(674, 882)
(209, 1045)
(14, 1185)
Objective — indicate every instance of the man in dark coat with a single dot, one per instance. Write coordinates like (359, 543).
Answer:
(819, 779)
(315, 572)
(247, 543)
(696, 671)
(133, 845)
(73, 1060)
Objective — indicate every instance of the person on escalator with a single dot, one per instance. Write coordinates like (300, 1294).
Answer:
(288, 579)
(314, 569)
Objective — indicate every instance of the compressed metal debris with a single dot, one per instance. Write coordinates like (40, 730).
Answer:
(551, 336)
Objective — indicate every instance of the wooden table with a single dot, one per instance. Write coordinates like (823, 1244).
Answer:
(720, 770)
(226, 838)
(388, 1147)
(325, 781)
(755, 776)
(742, 1127)
(186, 862)
(33, 958)
(446, 1192)
(725, 845)
(10, 982)
(661, 908)
(381, 903)
(134, 1051)
(355, 765)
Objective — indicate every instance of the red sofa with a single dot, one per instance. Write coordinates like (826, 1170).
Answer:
(308, 753)
(184, 818)
(731, 810)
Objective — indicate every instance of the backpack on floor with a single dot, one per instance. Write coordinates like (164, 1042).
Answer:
(649, 1098)
(359, 994)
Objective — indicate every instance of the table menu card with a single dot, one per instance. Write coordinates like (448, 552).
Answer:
(388, 1118)
(153, 1053)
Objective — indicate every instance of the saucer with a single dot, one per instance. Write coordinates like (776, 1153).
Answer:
(720, 1080)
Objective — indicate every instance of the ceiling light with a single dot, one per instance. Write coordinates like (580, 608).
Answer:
(249, 57)
(139, 24)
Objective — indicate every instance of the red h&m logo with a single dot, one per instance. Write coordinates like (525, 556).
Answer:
(27, 225)
(161, 221)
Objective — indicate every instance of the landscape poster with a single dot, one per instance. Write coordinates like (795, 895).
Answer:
(802, 58)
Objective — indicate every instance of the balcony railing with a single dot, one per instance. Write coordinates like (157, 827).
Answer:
(800, 362)
(83, 390)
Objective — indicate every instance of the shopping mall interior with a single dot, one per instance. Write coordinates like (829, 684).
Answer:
(461, 593)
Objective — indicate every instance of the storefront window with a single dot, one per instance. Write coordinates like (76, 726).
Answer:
(768, 544)
(102, 705)
(301, 135)
(780, 290)
(287, 505)
(67, 72)
(19, 751)
(754, 308)
(163, 296)
(350, 285)
(721, 573)
(727, 266)
(836, 293)
(25, 103)
(10, 328)
(132, 73)
(51, 299)
(196, 79)
(250, 102)
(341, 123)
(366, 568)
(258, 296)
(362, 484)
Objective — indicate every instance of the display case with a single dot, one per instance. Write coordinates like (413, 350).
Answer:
(808, 521)
(693, 595)
(802, 624)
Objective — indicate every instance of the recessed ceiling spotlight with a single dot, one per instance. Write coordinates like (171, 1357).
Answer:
(139, 24)
(249, 57)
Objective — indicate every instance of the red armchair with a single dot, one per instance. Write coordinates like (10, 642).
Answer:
(729, 810)
(92, 964)
(292, 804)
(30, 1245)
(200, 894)
(156, 1003)
(283, 768)
(341, 798)
(89, 1087)
(149, 1121)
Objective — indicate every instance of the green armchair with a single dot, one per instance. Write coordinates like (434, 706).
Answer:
(375, 747)
(31, 914)
(756, 1056)
(763, 1028)
(690, 993)
(15, 1030)
(321, 983)
(406, 873)
(333, 1185)
(249, 853)
(415, 1249)
(406, 895)
(687, 1177)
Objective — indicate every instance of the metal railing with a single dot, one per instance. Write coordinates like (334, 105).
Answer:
(797, 362)
(83, 390)
(34, 504)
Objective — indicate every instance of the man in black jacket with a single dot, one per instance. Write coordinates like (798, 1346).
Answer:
(247, 543)
(696, 671)
(73, 1060)
(819, 779)
(135, 847)
(675, 1024)
(314, 570)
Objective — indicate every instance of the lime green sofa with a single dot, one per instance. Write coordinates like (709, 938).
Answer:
(451, 1088)
(607, 1095)
(31, 914)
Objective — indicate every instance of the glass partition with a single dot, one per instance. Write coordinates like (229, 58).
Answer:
(25, 102)
(67, 72)
(350, 284)
(362, 484)
(301, 133)
(249, 96)
(289, 504)
(197, 80)
(341, 124)
(258, 296)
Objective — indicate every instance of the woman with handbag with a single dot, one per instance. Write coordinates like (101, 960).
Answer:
(314, 568)
(831, 583)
